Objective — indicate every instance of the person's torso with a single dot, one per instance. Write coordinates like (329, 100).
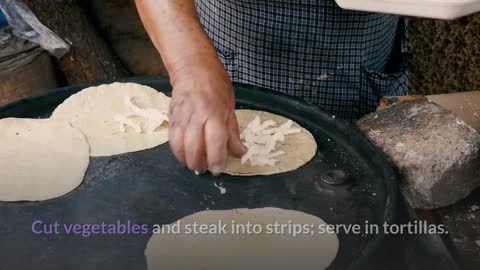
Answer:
(312, 49)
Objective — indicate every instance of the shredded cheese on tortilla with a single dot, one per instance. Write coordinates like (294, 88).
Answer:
(261, 140)
(125, 121)
(153, 118)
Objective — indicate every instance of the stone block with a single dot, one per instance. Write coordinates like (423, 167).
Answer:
(437, 154)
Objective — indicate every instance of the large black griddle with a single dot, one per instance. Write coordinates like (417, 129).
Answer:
(151, 187)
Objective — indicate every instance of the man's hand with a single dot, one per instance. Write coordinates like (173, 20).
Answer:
(203, 127)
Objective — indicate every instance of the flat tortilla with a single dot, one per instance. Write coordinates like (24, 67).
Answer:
(299, 148)
(94, 110)
(241, 249)
(40, 159)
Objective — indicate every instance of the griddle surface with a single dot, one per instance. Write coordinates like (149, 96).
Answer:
(151, 187)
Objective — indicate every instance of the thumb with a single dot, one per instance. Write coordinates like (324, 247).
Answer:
(235, 145)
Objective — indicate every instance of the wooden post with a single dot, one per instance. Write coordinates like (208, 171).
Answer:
(90, 58)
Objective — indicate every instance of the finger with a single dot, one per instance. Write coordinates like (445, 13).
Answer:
(235, 145)
(176, 103)
(195, 155)
(216, 137)
(178, 118)
(179, 115)
(175, 136)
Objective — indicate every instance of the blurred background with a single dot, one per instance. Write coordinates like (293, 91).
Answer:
(108, 41)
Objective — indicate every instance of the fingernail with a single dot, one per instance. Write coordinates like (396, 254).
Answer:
(200, 172)
(216, 170)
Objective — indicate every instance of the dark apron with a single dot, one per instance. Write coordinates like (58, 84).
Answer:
(342, 61)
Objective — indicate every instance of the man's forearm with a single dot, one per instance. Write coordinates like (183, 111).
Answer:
(176, 31)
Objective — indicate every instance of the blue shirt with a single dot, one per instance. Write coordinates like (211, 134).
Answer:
(341, 61)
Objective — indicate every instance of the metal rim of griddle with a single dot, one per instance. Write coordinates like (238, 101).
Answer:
(350, 136)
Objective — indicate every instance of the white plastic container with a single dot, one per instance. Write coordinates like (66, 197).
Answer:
(438, 9)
